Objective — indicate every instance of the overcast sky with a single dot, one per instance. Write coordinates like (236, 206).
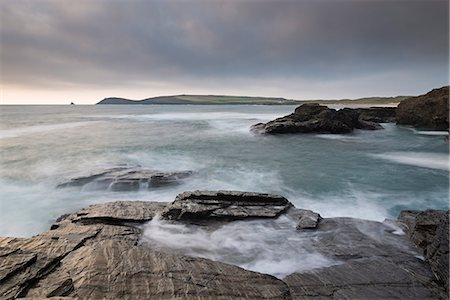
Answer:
(83, 51)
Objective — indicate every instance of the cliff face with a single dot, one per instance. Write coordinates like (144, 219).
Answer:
(96, 253)
(428, 111)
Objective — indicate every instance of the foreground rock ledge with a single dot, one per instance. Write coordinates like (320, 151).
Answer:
(94, 253)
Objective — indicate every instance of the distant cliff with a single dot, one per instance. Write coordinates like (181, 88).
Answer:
(200, 99)
(213, 99)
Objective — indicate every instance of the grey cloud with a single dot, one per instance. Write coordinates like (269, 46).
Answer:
(110, 43)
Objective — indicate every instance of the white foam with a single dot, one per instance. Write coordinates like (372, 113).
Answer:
(15, 132)
(268, 246)
(431, 160)
(340, 137)
(438, 133)
(350, 203)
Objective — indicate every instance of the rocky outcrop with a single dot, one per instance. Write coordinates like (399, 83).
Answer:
(225, 205)
(95, 253)
(429, 230)
(428, 111)
(127, 179)
(315, 118)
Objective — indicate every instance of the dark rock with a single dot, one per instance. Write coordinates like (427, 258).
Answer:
(306, 219)
(373, 278)
(371, 263)
(225, 205)
(101, 259)
(127, 179)
(428, 111)
(429, 230)
(315, 118)
(377, 114)
(94, 253)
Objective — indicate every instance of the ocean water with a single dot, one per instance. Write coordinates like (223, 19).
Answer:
(367, 174)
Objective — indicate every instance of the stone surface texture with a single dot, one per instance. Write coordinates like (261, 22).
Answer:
(429, 230)
(95, 254)
(225, 205)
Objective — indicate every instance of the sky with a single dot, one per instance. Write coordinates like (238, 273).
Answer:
(62, 51)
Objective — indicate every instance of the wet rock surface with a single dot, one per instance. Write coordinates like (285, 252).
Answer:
(315, 118)
(95, 253)
(429, 230)
(127, 179)
(306, 219)
(428, 111)
(225, 205)
(374, 264)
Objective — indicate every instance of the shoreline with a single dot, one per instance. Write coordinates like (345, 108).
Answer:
(97, 251)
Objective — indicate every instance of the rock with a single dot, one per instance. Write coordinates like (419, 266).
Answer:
(429, 230)
(371, 263)
(315, 118)
(428, 111)
(93, 253)
(115, 270)
(118, 212)
(127, 179)
(373, 278)
(306, 219)
(225, 205)
(377, 114)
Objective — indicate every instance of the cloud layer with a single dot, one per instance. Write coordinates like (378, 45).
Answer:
(295, 49)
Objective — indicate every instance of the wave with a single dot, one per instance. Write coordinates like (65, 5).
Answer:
(429, 132)
(15, 132)
(439, 161)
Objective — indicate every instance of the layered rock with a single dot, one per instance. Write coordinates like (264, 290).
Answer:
(95, 253)
(429, 230)
(225, 205)
(315, 118)
(428, 111)
(127, 179)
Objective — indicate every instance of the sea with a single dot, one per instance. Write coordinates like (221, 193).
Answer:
(371, 175)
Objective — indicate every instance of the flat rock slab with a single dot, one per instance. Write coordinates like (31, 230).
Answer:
(374, 278)
(127, 179)
(371, 263)
(225, 205)
(119, 212)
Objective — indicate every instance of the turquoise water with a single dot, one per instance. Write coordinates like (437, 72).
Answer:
(366, 174)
